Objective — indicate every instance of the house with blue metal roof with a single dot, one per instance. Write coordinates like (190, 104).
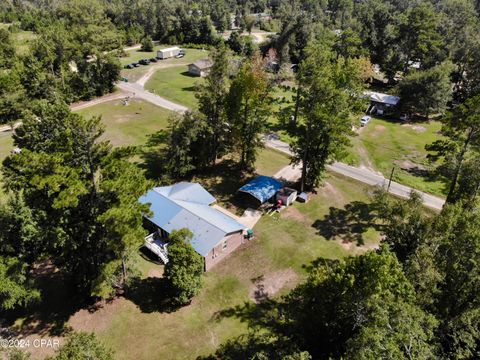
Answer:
(187, 205)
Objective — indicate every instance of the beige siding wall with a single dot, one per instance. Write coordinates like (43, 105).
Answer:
(219, 252)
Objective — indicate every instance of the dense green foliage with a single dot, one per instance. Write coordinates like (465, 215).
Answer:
(461, 151)
(185, 267)
(74, 199)
(80, 346)
(248, 109)
(327, 91)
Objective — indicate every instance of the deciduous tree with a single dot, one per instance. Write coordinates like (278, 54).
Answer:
(327, 91)
(248, 106)
(184, 269)
(461, 145)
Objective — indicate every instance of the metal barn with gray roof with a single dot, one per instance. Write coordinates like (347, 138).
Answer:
(187, 205)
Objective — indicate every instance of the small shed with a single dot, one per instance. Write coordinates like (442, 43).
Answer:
(200, 67)
(286, 195)
(168, 52)
(262, 188)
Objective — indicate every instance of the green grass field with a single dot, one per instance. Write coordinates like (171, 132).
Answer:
(21, 39)
(269, 161)
(129, 125)
(283, 244)
(134, 55)
(383, 144)
(175, 84)
(6, 145)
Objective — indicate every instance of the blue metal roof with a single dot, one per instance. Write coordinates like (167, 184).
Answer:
(262, 188)
(172, 212)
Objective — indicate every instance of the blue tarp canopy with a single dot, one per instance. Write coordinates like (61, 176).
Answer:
(262, 188)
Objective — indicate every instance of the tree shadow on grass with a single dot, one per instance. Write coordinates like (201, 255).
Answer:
(187, 74)
(349, 223)
(50, 315)
(152, 294)
(223, 181)
(153, 155)
(189, 88)
(260, 314)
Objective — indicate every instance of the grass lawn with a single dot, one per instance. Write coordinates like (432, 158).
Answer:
(6, 144)
(270, 161)
(129, 125)
(21, 39)
(384, 143)
(137, 329)
(135, 55)
(175, 84)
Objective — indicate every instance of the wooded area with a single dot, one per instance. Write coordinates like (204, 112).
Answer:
(71, 199)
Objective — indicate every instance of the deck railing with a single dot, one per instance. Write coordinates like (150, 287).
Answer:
(157, 246)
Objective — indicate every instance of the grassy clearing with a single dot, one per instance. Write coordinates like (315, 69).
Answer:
(383, 144)
(135, 55)
(282, 244)
(175, 84)
(269, 161)
(6, 145)
(129, 125)
(22, 39)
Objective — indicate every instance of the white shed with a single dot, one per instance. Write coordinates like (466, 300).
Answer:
(168, 52)
(286, 195)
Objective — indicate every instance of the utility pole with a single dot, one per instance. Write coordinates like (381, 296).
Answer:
(390, 180)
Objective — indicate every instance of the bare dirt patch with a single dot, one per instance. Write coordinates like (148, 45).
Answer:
(120, 119)
(293, 213)
(97, 318)
(417, 128)
(266, 286)
(155, 273)
(331, 192)
(409, 165)
(378, 130)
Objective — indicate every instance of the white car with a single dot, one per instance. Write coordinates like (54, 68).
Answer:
(365, 120)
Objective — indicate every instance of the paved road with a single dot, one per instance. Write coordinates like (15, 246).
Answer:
(367, 177)
(140, 92)
(99, 100)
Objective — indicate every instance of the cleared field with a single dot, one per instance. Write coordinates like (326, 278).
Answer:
(269, 161)
(22, 39)
(283, 244)
(135, 55)
(6, 145)
(131, 124)
(383, 144)
(175, 84)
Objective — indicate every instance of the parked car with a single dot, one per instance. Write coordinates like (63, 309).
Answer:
(365, 120)
(153, 59)
(129, 66)
(136, 64)
(179, 56)
(144, 61)
(182, 52)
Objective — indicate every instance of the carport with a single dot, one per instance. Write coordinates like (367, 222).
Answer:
(262, 188)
